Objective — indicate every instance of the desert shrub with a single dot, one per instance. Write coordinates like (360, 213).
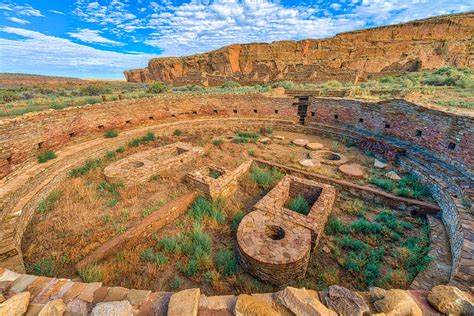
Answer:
(226, 262)
(110, 155)
(44, 267)
(248, 135)
(120, 150)
(91, 273)
(85, 168)
(287, 85)
(230, 85)
(332, 85)
(411, 186)
(391, 221)
(417, 259)
(148, 137)
(252, 152)
(351, 243)
(241, 140)
(110, 134)
(46, 156)
(94, 90)
(8, 95)
(363, 226)
(175, 283)
(266, 130)
(299, 204)
(203, 208)
(159, 258)
(157, 87)
(355, 207)
(265, 178)
(47, 203)
(135, 142)
(169, 244)
(335, 226)
(217, 141)
(177, 132)
(384, 184)
(236, 219)
(196, 245)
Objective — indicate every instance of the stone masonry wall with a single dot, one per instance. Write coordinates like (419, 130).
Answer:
(23, 137)
(434, 130)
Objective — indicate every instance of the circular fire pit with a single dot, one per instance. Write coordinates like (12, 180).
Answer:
(273, 249)
(329, 157)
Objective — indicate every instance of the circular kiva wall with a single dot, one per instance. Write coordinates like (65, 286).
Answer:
(439, 146)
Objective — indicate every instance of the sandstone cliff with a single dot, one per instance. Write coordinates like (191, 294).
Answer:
(416, 45)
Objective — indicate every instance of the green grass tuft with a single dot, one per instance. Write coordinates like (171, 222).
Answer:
(46, 156)
(299, 204)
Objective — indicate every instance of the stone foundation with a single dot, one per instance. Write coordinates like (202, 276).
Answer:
(141, 166)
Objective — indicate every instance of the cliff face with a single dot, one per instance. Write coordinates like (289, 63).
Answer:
(423, 44)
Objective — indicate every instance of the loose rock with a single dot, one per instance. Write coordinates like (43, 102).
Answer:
(379, 164)
(279, 137)
(311, 163)
(301, 303)
(345, 302)
(53, 308)
(247, 305)
(314, 146)
(450, 300)
(395, 302)
(121, 308)
(300, 142)
(15, 305)
(184, 303)
(393, 175)
(265, 140)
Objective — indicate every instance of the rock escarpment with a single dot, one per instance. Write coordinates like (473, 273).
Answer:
(422, 44)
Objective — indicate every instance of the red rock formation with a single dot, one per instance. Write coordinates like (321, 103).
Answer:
(421, 44)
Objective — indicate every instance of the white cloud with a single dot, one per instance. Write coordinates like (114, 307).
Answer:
(40, 53)
(17, 20)
(93, 36)
(57, 12)
(336, 6)
(21, 10)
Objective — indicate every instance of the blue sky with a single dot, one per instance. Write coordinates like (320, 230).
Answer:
(101, 38)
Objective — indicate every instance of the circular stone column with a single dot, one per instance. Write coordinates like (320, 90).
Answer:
(273, 249)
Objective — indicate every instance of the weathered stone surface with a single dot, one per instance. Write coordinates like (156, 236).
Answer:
(8, 275)
(121, 308)
(352, 170)
(345, 302)
(155, 304)
(314, 146)
(79, 307)
(300, 302)
(392, 175)
(279, 137)
(53, 308)
(15, 305)
(20, 284)
(395, 302)
(300, 142)
(137, 297)
(247, 305)
(346, 56)
(265, 140)
(450, 300)
(217, 305)
(184, 303)
(310, 163)
(379, 164)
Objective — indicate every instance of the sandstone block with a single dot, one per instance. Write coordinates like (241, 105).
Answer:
(352, 170)
(53, 308)
(395, 302)
(300, 142)
(184, 303)
(379, 164)
(247, 305)
(450, 300)
(300, 302)
(15, 305)
(314, 146)
(121, 308)
(310, 163)
(345, 302)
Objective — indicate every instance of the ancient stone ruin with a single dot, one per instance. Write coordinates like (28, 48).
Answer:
(277, 244)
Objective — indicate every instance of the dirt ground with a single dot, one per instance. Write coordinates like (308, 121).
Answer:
(86, 215)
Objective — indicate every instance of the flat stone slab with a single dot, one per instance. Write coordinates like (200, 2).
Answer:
(393, 175)
(379, 164)
(310, 163)
(300, 142)
(184, 303)
(265, 140)
(279, 137)
(314, 146)
(352, 170)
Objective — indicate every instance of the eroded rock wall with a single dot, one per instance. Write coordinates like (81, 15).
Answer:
(423, 44)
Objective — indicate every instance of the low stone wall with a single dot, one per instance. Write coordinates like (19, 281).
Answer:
(140, 167)
(165, 215)
(223, 186)
(21, 293)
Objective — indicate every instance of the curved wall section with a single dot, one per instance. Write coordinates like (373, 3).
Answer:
(438, 145)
